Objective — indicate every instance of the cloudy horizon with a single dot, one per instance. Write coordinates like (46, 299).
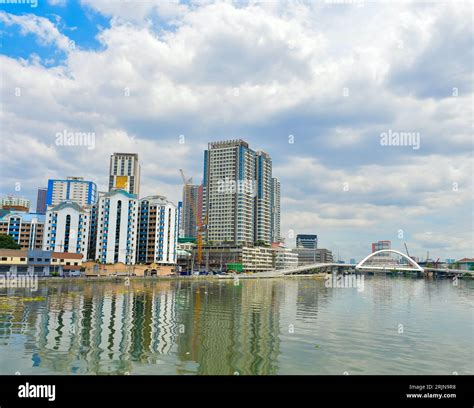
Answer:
(299, 80)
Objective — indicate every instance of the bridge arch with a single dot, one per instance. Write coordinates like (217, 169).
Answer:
(411, 261)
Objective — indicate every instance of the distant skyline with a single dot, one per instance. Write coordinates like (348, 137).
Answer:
(298, 80)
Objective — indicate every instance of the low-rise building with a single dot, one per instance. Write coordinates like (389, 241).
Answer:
(257, 259)
(13, 261)
(65, 264)
(311, 256)
(39, 263)
(465, 264)
(285, 258)
(251, 259)
(217, 257)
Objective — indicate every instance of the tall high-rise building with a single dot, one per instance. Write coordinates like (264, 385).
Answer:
(66, 228)
(115, 227)
(192, 209)
(228, 195)
(15, 203)
(41, 205)
(263, 196)
(157, 231)
(74, 189)
(275, 211)
(124, 173)
(308, 241)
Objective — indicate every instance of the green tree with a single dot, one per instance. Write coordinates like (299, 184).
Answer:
(7, 242)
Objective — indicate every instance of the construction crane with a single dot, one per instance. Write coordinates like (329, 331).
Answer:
(201, 224)
(406, 248)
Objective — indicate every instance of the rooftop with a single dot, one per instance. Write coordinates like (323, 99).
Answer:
(119, 191)
(26, 217)
(228, 143)
(13, 253)
(66, 204)
(465, 260)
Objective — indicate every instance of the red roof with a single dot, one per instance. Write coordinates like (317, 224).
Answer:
(466, 260)
(66, 255)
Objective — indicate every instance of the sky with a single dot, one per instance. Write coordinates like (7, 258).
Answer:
(323, 86)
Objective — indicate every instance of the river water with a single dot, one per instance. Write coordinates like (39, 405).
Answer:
(394, 325)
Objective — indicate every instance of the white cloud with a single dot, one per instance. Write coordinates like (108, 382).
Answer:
(45, 31)
(60, 3)
(227, 70)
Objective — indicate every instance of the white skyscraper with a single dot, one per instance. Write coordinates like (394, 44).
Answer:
(275, 211)
(263, 195)
(116, 227)
(124, 173)
(228, 196)
(67, 228)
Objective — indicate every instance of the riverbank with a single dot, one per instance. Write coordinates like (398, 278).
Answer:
(82, 279)
(260, 276)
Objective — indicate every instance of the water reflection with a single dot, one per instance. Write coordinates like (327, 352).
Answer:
(257, 327)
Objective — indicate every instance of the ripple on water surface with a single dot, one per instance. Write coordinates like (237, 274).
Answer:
(281, 326)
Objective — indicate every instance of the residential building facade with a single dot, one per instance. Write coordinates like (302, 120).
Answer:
(26, 229)
(115, 224)
(157, 231)
(238, 190)
(74, 189)
(229, 177)
(15, 203)
(67, 228)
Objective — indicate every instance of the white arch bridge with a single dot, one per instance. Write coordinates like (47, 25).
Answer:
(362, 266)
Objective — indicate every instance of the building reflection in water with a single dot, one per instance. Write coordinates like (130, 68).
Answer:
(210, 328)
